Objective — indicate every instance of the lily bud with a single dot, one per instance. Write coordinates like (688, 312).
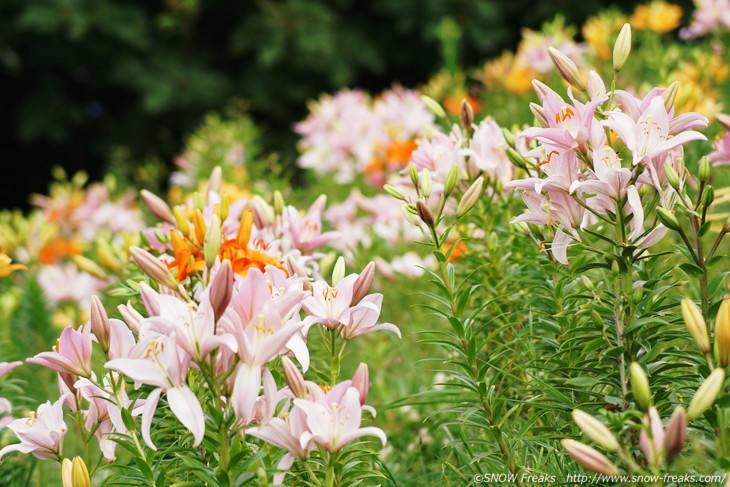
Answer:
(672, 176)
(424, 213)
(89, 266)
(157, 206)
(106, 256)
(451, 180)
(393, 191)
(595, 86)
(279, 203)
(149, 299)
(362, 284)
(622, 48)
(295, 269)
(539, 114)
(199, 228)
(705, 396)
(433, 106)
(567, 69)
(470, 198)
(131, 316)
(216, 180)
(595, 430)
(516, 158)
(361, 382)
(466, 114)
(155, 270)
(640, 386)
(181, 221)
(198, 201)
(667, 218)
(669, 95)
(676, 433)
(724, 120)
(407, 211)
(695, 323)
(708, 196)
(225, 206)
(338, 271)
(508, 137)
(652, 446)
(294, 378)
(74, 474)
(425, 183)
(99, 321)
(413, 173)
(221, 289)
(722, 333)
(541, 89)
(264, 214)
(589, 458)
(704, 170)
(212, 241)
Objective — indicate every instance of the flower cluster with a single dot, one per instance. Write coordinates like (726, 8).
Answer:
(349, 134)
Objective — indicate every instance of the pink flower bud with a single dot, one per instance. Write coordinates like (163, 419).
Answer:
(294, 378)
(221, 289)
(149, 299)
(130, 316)
(361, 382)
(157, 206)
(362, 284)
(99, 321)
(652, 446)
(156, 270)
(589, 458)
(676, 433)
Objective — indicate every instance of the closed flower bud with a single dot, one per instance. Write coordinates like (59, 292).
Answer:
(589, 458)
(640, 386)
(221, 289)
(704, 170)
(426, 183)
(294, 378)
(295, 269)
(567, 69)
(225, 206)
(216, 180)
(539, 114)
(667, 218)
(106, 255)
(212, 241)
(669, 95)
(131, 316)
(509, 138)
(595, 430)
(182, 222)
(338, 271)
(74, 474)
(199, 227)
(541, 89)
(466, 114)
(413, 173)
(516, 158)
(722, 333)
(89, 266)
(99, 321)
(695, 323)
(155, 270)
(470, 198)
(361, 382)
(433, 106)
(408, 213)
(198, 201)
(393, 191)
(622, 48)
(675, 433)
(425, 213)
(672, 176)
(157, 206)
(279, 203)
(451, 180)
(706, 395)
(362, 284)
(708, 196)
(595, 86)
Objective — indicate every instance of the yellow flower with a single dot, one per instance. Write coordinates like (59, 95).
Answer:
(511, 71)
(6, 267)
(599, 31)
(658, 16)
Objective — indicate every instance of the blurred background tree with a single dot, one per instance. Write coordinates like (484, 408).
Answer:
(86, 82)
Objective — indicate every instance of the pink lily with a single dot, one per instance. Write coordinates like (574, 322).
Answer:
(335, 424)
(306, 232)
(652, 447)
(42, 434)
(71, 354)
(7, 367)
(165, 367)
(649, 136)
(636, 107)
